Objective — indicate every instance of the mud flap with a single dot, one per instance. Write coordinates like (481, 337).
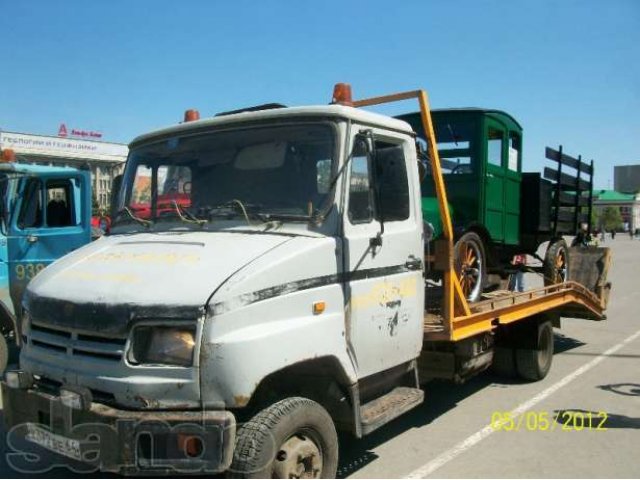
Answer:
(589, 266)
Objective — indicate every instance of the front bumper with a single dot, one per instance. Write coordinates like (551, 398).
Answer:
(123, 441)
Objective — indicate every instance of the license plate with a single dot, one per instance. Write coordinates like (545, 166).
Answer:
(56, 443)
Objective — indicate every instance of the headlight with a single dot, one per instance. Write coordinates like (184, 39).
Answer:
(18, 379)
(153, 344)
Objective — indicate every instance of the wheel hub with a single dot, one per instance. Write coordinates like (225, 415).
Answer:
(470, 270)
(298, 457)
(561, 267)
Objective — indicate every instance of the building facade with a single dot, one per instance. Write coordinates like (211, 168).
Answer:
(628, 203)
(105, 159)
(626, 178)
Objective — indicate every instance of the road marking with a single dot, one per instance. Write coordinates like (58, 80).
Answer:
(444, 458)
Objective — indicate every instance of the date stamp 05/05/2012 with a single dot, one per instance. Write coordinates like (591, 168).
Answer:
(543, 421)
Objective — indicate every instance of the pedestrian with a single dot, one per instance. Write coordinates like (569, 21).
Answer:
(516, 282)
(613, 234)
(583, 238)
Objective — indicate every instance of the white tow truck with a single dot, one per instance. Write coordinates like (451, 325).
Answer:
(263, 287)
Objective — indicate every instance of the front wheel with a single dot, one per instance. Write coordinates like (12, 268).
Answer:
(293, 438)
(556, 263)
(470, 265)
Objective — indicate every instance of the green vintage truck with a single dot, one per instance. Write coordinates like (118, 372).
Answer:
(498, 210)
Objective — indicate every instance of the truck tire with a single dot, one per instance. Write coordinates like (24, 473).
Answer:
(556, 263)
(534, 364)
(504, 362)
(293, 438)
(4, 354)
(470, 263)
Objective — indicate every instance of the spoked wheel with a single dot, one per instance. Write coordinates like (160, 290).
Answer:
(293, 438)
(470, 265)
(556, 263)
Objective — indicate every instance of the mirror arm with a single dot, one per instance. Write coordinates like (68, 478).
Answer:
(376, 188)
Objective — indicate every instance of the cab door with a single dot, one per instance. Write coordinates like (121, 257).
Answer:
(383, 253)
(495, 173)
(513, 179)
(49, 220)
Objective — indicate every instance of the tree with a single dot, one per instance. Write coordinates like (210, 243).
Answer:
(95, 206)
(595, 219)
(610, 218)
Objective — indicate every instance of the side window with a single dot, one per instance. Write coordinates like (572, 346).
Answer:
(31, 211)
(393, 185)
(60, 208)
(514, 151)
(360, 194)
(494, 147)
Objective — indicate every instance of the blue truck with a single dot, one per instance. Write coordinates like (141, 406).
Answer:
(45, 213)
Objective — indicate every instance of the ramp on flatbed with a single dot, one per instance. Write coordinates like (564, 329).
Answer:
(566, 299)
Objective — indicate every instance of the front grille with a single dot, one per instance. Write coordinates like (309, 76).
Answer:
(80, 345)
(52, 387)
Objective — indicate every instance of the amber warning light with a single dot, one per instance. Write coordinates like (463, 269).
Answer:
(342, 94)
(8, 155)
(191, 115)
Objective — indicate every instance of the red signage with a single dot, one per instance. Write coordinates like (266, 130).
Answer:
(62, 132)
(85, 133)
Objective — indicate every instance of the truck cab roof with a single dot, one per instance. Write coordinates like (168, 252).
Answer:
(251, 115)
(499, 114)
(34, 169)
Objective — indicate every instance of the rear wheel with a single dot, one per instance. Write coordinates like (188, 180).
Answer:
(556, 263)
(534, 364)
(293, 438)
(504, 362)
(470, 265)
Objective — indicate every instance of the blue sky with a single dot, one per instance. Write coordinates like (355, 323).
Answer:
(569, 71)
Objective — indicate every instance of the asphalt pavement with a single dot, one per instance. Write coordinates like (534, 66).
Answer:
(582, 420)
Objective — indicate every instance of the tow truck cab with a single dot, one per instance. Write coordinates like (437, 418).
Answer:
(298, 257)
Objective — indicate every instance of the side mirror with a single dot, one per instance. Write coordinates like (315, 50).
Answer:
(115, 191)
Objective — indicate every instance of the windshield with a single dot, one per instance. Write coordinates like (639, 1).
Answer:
(8, 194)
(264, 173)
(454, 146)
(4, 187)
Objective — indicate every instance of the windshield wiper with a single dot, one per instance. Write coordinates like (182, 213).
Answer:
(287, 216)
(126, 210)
(191, 217)
(236, 207)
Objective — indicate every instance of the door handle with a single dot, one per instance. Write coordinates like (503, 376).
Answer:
(413, 263)
(32, 238)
